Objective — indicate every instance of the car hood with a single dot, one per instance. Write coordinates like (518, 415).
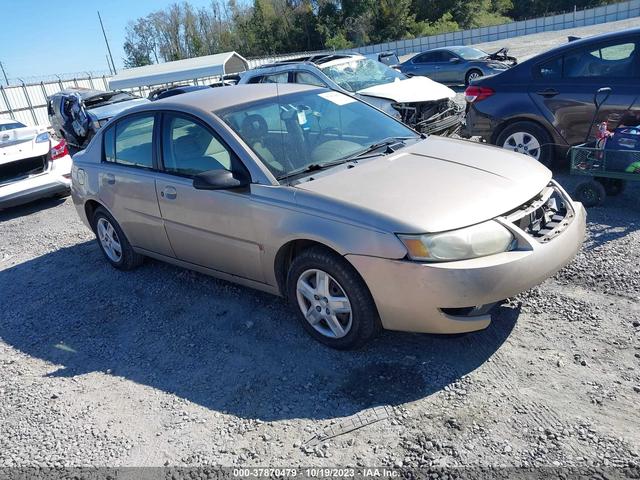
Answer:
(435, 185)
(107, 111)
(414, 89)
(21, 143)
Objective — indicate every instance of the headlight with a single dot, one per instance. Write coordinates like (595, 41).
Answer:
(43, 137)
(477, 241)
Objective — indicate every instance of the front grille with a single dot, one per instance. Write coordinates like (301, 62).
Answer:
(22, 168)
(545, 216)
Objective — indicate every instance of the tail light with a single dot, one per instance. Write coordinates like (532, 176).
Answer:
(475, 93)
(60, 150)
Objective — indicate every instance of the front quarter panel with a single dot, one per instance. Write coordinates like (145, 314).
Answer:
(281, 218)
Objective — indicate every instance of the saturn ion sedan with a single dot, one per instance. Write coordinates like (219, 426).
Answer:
(360, 222)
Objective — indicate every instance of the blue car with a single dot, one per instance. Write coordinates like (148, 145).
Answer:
(457, 65)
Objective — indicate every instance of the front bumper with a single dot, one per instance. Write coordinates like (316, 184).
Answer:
(410, 296)
(55, 180)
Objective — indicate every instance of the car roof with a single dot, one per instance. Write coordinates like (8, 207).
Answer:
(594, 38)
(213, 99)
(318, 59)
(84, 92)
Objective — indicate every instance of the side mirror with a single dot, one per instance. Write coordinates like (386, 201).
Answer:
(219, 180)
(454, 60)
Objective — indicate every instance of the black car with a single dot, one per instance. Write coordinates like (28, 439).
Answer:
(166, 92)
(545, 104)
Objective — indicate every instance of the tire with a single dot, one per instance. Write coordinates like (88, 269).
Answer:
(590, 193)
(472, 75)
(359, 326)
(613, 186)
(108, 239)
(521, 136)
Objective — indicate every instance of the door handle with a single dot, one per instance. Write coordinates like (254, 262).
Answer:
(111, 178)
(169, 193)
(548, 93)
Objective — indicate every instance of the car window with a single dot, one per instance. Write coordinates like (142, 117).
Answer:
(276, 78)
(133, 142)
(315, 127)
(445, 56)
(607, 61)
(190, 148)
(426, 58)
(550, 70)
(309, 79)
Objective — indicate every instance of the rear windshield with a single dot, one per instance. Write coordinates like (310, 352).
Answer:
(10, 126)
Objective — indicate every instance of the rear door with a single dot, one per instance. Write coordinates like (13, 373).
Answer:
(127, 181)
(211, 228)
(563, 87)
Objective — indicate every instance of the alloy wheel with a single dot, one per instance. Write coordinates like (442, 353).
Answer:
(109, 240)
(324, 303)
(523, 142)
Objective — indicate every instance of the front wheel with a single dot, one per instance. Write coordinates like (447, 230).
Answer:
(335, 306)
(471, 76)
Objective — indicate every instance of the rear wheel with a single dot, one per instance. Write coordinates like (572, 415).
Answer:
(472, 75)
(529, 139)
(335, 305)
(590, 193)
(113, 242)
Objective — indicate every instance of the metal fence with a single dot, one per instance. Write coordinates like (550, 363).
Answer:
(27, 103)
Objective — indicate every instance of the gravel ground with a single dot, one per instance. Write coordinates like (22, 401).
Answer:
(163, 366)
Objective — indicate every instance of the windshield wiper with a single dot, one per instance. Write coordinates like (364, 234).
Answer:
(387, 142)
(313, 167)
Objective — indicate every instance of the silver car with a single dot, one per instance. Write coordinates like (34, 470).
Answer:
(308, 193)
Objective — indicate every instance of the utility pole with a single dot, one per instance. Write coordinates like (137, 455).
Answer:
(108, 64)
(107, 42)
(6, 80)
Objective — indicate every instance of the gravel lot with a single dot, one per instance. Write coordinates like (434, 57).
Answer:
(163, 366)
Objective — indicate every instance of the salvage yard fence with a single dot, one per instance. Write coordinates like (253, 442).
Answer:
(27, 102)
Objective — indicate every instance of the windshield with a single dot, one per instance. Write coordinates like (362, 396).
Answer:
(310, 128)
(10, 126)
(361, 73)
(470, 53)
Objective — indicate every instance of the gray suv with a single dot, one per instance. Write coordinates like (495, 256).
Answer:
(419, 102)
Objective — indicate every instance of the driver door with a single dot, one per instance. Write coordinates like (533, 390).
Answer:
(211, 228)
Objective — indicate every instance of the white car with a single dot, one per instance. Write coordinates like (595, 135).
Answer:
(419, 102)
(32, 164)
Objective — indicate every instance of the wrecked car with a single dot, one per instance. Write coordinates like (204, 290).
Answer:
(32, 164)
(419, 102)
(311, 194)
(457, 65)
(76, 114)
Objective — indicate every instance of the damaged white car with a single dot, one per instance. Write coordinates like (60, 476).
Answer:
(32, 164)
(419, 102)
